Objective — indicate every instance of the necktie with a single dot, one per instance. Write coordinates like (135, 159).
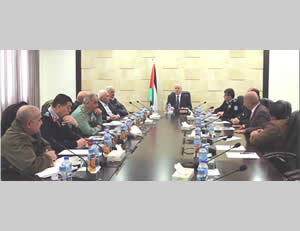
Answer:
(177, 101)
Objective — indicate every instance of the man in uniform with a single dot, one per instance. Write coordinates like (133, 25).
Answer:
(56, 129)
(230, 107)
(88, 116)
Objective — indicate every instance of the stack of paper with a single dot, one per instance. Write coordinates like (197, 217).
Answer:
(182, 173)
(79, 152)
(226, 147)
(242, 155)
(53, 171)
(113, 123)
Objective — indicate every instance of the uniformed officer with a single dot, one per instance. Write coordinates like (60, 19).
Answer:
(89, 116)
(55, 128)
(230, 107)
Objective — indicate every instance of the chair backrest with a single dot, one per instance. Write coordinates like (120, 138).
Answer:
(266, 102)
(46, 105)
(288, 108)
(240, 100)
(9, 115)
(293, 135)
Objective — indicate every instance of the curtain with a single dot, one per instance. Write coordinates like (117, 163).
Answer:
(19, 77)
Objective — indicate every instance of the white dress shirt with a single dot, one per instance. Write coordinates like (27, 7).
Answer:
(252, 111)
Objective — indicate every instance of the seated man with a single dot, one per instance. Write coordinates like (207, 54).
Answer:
(259, 117)
(243, 117)
(230, 107)
(22, 144)
(79, 100)
(88, 116)
(108, 112)
(179, 99)
(115, 104)
(55, 127)
(274, 136)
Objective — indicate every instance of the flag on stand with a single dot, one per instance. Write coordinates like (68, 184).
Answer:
(153, 90)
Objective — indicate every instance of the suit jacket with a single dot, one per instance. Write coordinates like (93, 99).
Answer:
(104, 112)
(273, 138)
(185, 100)
(231, 109)
(118, 107)
(259, 119)
(244, 116)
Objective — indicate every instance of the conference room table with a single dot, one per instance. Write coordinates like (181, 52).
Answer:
(152, 157)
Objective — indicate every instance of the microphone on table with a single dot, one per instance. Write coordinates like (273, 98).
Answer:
(134, 105)
(234, 146)
(211, 141)
(139, 102)
(204, 102)
(63, 146)
(240, 169)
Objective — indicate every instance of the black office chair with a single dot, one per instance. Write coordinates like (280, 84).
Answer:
(240, 100)
(288, 108)
(266, 102)
(293, 175)
(46, 105)
(9, 115)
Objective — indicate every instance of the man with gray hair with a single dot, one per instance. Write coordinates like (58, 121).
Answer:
(108, 112)
(115, 104)
(23, 147)
(88, 116)
(259, 116)
(79, 100)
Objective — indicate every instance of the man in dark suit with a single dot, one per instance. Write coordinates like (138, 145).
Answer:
(115, 104)
(230, 107)
(274, 136)
(179, 99)
(259, 117)
(108, 112)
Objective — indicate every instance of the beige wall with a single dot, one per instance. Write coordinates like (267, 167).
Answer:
(205, 73)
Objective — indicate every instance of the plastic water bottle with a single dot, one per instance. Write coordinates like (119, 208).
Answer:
(68, 165)
(62, 175)
(197, 143)
(196, 112)
(123, 131)
(198, 131)
(97, 154)
(202, 171)
(151, 109)
(203, 154)
(211, 131)
(169, 108)
(107, 143)
(198, 121)
(91, 161)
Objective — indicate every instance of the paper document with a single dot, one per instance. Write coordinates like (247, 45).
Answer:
(213, 172)
(233, 138)
(48, 172)
(245, 155)
(221, 122)
(81, 152)
(113, 123)
(226, 147)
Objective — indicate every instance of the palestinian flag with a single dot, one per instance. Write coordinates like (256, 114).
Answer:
(153, 90)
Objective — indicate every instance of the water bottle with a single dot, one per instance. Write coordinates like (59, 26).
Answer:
(198, 131)
(129, 123)
(145, 113)
(62, 175)
(203, 154)
(202, 171)
(151, 109)
(211, 131)
(197, 143)
(97, 154)
(91, 161)
(107, 143)
(115, 136)
(123, 131)
(198, 121)
(68, 165)
(169, 108)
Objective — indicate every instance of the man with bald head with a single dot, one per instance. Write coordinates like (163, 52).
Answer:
(179, 99)
(23, 148)
(259, 116)
(79, 100)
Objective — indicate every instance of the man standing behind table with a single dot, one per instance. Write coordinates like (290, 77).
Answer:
(115, 104)
(23, 146)
(179, 99)
(259, 117)
(230, 107)
(56, 121)
(88, 116)
(108, 112)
